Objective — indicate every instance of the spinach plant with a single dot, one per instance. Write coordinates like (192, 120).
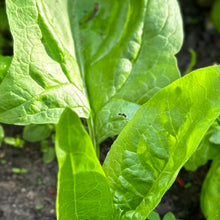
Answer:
(40, 133)
(112, 63)
(156, 216)
(209, 149)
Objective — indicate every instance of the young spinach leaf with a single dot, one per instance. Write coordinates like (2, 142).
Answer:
(83, 190)
(205, 151)
(148, 154)
(48, 152)
(169, 216)
(215, 136)
(210, 195)
(153, 216)
(201, 156)
(16, 142)
(34, 133)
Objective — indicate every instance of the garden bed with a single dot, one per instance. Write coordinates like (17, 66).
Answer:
(32, 195)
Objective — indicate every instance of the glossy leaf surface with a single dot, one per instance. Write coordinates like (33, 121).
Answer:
(210, 195)
(40, 84)
(116, 54)
(83, 191)
(200, 156)
(148, 35)
(148, 154)
(206, 150)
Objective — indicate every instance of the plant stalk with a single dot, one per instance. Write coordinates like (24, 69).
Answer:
(92, 136)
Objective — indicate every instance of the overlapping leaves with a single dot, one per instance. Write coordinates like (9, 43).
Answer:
(104, 59)
(100, 58)
(149, 152)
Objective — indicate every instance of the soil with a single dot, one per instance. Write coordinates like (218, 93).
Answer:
(22, 194)
(32, 195)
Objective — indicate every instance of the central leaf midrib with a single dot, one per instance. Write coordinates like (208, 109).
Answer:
(59, 42)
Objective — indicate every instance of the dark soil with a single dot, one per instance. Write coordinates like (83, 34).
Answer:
(22, 194)
(200, 35)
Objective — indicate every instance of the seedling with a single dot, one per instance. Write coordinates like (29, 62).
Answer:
(39, 181)
(48, 152)
(15, 142)
(19, 170)
(39, 207)
(35, 133)
(3, 161)
(209, 149)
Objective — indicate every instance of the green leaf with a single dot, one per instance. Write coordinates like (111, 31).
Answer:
(16, 142)
(40, 85)
(48, 152)
(4, 65)
(116, 54)
(148, 36)
(3, 161)
(19, 170)
(148, 154)
(39, 207)
(34, 133)
(153, 216)
(203, 153)
(210, 194)
(215, 137)
(83, 191)
(169, 216)
(215, 14)
(2, 134)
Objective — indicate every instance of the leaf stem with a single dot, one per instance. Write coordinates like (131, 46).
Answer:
(92, 136)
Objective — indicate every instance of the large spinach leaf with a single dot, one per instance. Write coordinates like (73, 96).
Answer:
(148, 154)
(83, 190)
(100, 58)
